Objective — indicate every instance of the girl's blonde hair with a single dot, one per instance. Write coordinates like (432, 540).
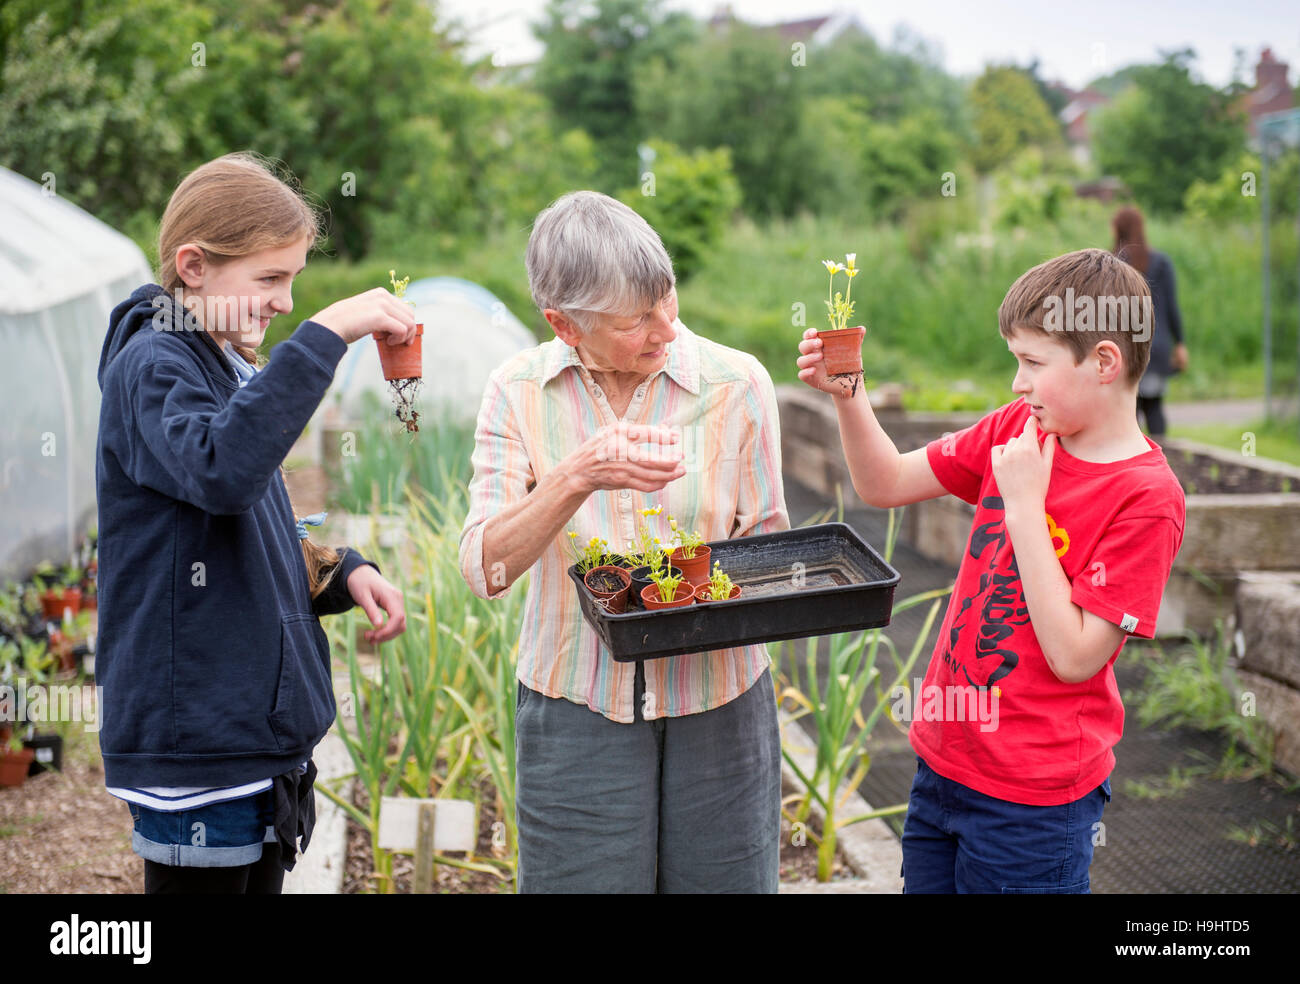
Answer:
(232, 207)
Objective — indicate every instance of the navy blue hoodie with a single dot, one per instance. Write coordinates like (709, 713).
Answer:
(214, 665)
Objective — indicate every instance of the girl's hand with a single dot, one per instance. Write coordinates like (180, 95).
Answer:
(373, 593)
(812, 367)
(375, 310)
(1180, 356)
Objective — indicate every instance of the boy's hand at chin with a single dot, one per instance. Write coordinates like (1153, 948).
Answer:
(1023, 469)
(375, 595)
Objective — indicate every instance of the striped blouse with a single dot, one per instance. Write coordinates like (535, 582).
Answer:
(541, 405)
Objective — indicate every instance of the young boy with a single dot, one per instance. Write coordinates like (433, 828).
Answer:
(1073, 540)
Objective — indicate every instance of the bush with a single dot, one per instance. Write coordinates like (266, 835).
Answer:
(688, 198)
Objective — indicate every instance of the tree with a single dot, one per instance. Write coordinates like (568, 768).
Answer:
(1009, 115)
(84, 98)
(588, 73)
(737, 90)
(688, 199)
(1166, 132)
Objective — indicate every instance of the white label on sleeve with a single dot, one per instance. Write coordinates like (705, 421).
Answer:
(1129, 622)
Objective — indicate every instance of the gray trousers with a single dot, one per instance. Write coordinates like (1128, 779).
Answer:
(679, 804)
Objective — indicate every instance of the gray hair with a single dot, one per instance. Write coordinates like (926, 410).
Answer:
(591, 254)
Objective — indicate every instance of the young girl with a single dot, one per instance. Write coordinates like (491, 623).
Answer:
(215, 669)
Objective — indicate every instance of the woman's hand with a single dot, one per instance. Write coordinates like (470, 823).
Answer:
(626, 456)
(1180, 356)
(374, 594)
(375, 310)
(812, 367)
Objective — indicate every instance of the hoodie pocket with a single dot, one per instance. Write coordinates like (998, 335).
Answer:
(304, 696)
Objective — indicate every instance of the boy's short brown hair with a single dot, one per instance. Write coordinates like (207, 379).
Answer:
(1119, 296)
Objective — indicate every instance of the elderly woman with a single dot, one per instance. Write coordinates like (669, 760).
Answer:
(662, 775)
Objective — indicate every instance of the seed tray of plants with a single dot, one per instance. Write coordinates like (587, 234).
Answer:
(815, 580)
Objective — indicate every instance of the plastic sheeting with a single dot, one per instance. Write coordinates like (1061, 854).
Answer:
(61, 273)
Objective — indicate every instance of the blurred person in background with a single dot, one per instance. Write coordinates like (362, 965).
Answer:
(1168, 353)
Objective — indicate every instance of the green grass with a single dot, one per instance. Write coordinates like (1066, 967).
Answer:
(1278, 439)
(1195, 686)
(1178, 781)
(1264, 832)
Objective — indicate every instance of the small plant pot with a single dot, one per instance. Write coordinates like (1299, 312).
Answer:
(64, 649)
(54, 603)
(702, 598)
(694, 569)
(401, 361)
(639, 582)
(650, 597)
(610, 585)
(14, 766)
(47, 752)
(842, 350)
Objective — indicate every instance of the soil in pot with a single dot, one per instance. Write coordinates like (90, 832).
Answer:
(650, 597)
(694, 569)
(641, 578)
(610, 586)
(842, 354)
(702, 594)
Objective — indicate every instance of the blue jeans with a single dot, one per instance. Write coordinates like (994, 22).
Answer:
(677, 804)
(219, 835)
(958, 840)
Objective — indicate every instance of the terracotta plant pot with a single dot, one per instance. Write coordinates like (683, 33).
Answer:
(613, 599)
(63, 648)
(401, 361)
(842, 349)
(694, 569)
(650, 597)
(640, 581)
(14, 766)
(702, 598)
(54, 602)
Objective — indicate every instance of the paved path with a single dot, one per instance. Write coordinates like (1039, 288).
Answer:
(1224, 411)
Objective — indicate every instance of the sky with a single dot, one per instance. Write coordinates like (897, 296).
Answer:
(1074, 42)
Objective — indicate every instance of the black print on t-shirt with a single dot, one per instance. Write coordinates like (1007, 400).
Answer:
(1001, 607)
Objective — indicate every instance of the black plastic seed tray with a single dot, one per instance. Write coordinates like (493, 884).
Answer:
(816, 580)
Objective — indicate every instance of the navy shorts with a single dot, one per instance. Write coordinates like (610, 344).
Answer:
(958, 840)
(219, 835)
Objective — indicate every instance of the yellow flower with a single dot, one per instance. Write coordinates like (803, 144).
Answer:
(830, 265)
(852, 258)
(851, 272)
(573, 534)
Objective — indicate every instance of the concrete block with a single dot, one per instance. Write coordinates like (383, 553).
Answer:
(1268, 615)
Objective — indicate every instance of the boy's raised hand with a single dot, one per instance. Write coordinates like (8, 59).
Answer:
(812, 367)
(374, 310)
(1023, 469)
(375, 595)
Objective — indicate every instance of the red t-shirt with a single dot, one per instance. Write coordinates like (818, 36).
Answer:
(991, 714)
